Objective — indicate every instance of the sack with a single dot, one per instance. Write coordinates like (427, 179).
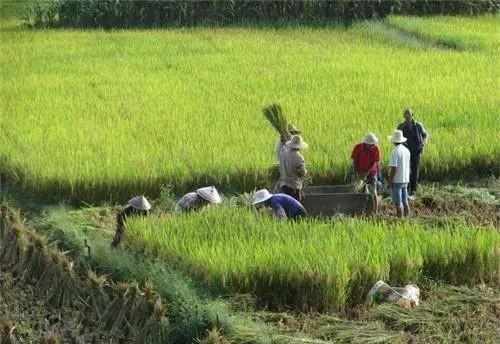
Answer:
(407, 297)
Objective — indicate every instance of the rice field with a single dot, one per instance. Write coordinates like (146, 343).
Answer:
(93, 115)
(314, 264)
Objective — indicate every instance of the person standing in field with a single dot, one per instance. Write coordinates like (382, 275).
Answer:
(137, 206)
(202, 199)
(285, 136)
(417, 137)
(365, 157)
(283, 206)
(292, 168)
(399, 174)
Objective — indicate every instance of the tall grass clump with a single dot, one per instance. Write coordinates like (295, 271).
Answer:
(314, 264)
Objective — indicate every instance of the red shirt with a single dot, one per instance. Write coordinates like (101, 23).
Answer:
(364, 157)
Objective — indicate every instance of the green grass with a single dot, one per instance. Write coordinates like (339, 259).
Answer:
(105, 114)
(313, 264)
(465, 33)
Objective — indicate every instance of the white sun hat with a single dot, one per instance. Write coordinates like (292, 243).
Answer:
(261, 196)
(297, 142)
(210, 194)
(140, 203)
(370, 139)
(397, 137)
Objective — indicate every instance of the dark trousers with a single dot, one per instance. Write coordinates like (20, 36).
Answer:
(295, 193)
(414, 171)
(301, 213)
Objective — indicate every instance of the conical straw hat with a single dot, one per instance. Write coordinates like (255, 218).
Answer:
(140, 203)
(210, 194)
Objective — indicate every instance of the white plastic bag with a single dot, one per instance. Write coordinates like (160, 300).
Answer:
(407, 297)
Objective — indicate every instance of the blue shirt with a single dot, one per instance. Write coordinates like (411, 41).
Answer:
(285, 206)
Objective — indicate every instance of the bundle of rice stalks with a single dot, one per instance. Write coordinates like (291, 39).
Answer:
(51, 272)
(97, 296)
(156, 329)
(13, 245)
(8, 333)
(114, 318)
(50, 337)
(66, 286)
(35, 258)
(342, 331)
(145, 306)
(214, 337)
(274, 114)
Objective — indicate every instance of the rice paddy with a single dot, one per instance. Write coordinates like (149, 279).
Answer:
(102, 115)
(314, 264)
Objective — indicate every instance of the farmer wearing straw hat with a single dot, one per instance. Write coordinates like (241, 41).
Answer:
(283, 206)
(284, 137)
(416, 137)
(399, 173)
(366, 156)
(137, 206)
(202, 199)
(292, 168)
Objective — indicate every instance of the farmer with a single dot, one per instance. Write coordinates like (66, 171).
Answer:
(366, 156)
(202, 199)
(292, 168)
(285, 136)
(138, 205)
(399, 174)
(283, 206)
(416, 139)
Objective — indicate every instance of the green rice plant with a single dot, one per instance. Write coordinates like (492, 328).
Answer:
(314, 264)
(120, 132)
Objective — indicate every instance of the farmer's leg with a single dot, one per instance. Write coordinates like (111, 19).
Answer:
(405, 200)
(396, 195)
(414, 172)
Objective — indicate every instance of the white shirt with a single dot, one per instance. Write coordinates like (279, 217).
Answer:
(400, 159)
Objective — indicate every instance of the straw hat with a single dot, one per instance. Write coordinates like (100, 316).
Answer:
(210, 194)
(261, 196)
(297, 142)
(370, 139)
(292, 129)
(139, 203)
(397, 137)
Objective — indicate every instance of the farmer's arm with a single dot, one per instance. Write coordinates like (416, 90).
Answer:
(393, 164)
(280, 213)
(425, 134)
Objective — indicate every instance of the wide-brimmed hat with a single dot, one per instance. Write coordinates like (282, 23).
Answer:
(292, 129)
(261, 196)
(139, 203)
(397, 137)
(210, 194)
(297, 142)
(370, 139)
